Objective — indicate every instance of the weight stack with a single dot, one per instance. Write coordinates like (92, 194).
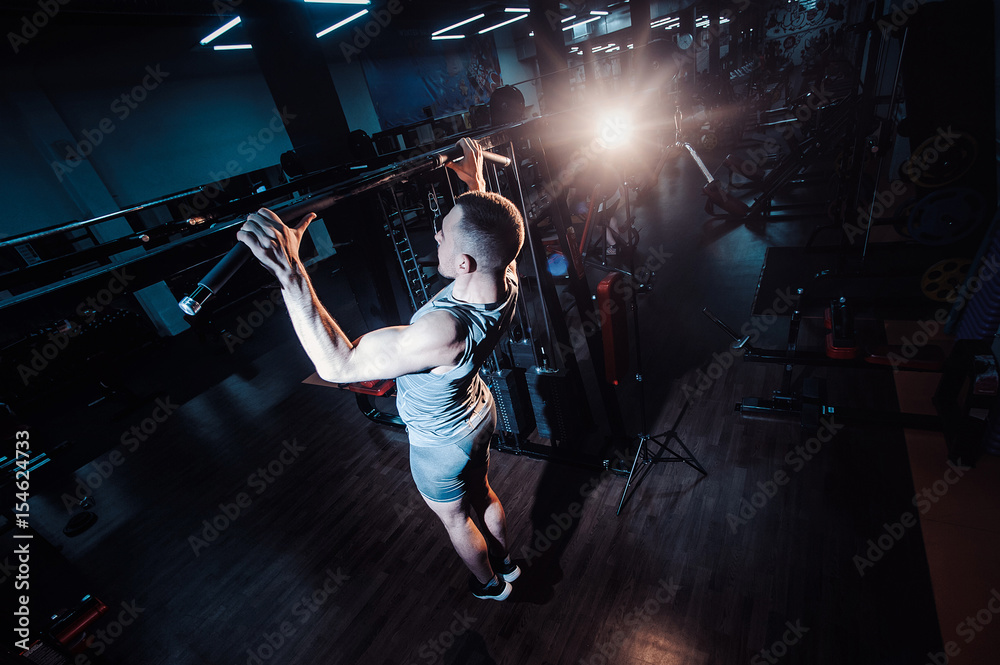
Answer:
(559, 414)
(510, 393)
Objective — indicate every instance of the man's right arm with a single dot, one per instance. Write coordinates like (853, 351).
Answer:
(435, 340)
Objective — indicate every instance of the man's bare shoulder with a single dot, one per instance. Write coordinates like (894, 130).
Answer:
(439, 326)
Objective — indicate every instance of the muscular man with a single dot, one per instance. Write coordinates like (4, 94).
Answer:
(447, 408)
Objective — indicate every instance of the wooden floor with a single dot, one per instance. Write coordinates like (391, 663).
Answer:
(961, 527)
(267, 521)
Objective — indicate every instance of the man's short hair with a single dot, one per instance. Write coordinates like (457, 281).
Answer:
(491, 229)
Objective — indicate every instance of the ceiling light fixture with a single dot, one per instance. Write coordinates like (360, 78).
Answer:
(458, 25)
(666, 19)
(340, 23)
(232, 47)
(232, 24)
(500, 25)
(585, 22)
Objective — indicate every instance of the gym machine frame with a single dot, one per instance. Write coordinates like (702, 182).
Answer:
(810, 404)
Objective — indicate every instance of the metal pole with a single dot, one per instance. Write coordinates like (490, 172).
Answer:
(111, 215)
(549, 335)
(881, 154)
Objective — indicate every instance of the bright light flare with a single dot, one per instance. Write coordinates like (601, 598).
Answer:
(614, 130)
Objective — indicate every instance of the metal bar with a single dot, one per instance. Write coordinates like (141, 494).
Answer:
(549, 334)
(881, 154)
(324, 198)
(719, 322)
(751, 405)
(372, 413)
(701, 164)
(451, 188)
(102, 218)
(550, 453)
(522, 307)
(793, 336)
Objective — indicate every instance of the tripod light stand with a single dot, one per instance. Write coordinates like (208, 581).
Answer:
(614, 134)
(664, 452)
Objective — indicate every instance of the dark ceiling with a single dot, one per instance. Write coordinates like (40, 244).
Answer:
(86, 26)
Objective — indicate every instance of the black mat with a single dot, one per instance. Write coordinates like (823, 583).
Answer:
(887, 284)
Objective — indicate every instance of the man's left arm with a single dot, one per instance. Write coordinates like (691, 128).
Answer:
(470, 169)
